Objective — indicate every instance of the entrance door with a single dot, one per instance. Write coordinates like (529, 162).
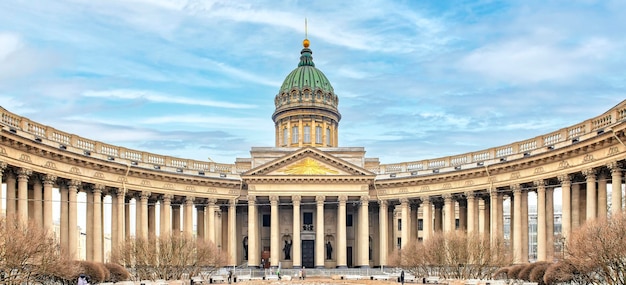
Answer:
(308, 253)
(349, 250)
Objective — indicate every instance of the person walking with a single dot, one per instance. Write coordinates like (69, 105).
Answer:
(230, 276)
(402, 277)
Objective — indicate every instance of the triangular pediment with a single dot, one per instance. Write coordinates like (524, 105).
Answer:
(308, 162)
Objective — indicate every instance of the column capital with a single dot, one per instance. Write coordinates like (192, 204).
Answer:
(98, 188)
(212, 201)
(515, 188)
(74, 184)
(404, 201)
(188, 199)
(296, 198)
(23, 173)
(49, 179)
(144, 195)
(167, 198)
(342, 199)
(615, 167)
(233, 202)
(565, 179)
(426, 200)
(447, 197)
(320, 199)
(540, 183)
(383, 203)
(251, 199)
(590, 173)
(365, 199)
(274, 199)
(3, 166)
(470, 195)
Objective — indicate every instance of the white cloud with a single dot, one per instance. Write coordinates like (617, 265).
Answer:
(17, 59)
(162, 98)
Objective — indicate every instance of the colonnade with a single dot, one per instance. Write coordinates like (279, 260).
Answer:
(584, 198)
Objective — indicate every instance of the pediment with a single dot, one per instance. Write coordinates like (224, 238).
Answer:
(308, 162)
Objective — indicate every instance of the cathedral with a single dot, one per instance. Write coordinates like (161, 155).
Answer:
(308, 202)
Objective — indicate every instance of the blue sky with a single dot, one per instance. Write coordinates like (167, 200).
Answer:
(415, 79)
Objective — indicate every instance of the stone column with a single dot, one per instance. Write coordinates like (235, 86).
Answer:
(438, 216)
(427, 218)
(383, 232)
(319, 232)
(590, 174)
(253, 250)
(11, 200)
(404, 232)
(472, 219)
(602, 201)
(127, 199)
(296, 241)
(176, 228)
(566, 200)
(275, 248)
(550, 222)
(482, 218)
(462, 214)
(165, 221)
(524, 218)
(37, 202)
(115, 212)
(616, 186)
(232, 234)
(517, 238)
(48, 182)
(342, 261)
(145, 195)
(97, 223)
(449, 212)
(188, 216)
(200, 212)
(65, 215)
(576, 215)
(211, 220)
(73, 219)
(151, 217)
(3, 166)
(88, 188)
(541, 221)
(364, 232)
(22, 193)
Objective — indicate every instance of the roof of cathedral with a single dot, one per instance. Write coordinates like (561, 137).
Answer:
(306, 76)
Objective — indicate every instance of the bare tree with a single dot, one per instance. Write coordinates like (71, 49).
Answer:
(452, 255)
(599, 249)
(169, 257)
(27, 252)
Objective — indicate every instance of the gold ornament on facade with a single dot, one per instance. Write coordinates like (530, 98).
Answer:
(309, 166)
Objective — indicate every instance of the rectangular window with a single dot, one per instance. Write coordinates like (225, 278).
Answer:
(420, 225)
(399, 224)
(307, 134)
(307, 218)
(399, 242)
(457, 224)
(266, 220)
(328, 136)
(349, 220)
(294, 134)
(318, 135)
(285, 136)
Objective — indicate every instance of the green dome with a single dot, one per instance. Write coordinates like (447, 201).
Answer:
(306, 76)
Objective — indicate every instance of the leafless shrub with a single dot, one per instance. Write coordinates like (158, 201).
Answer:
(118, 272)
(168, 257)
(560, 272)
(538, 271)
(452, 255)
(96, 271)
(515, 270)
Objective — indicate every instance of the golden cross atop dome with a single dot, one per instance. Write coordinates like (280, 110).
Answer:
(306, 42)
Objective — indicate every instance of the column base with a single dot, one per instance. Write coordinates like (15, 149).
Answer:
(364, 266)
(319, 267)
(342, 267)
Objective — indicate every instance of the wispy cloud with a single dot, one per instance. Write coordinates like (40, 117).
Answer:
(162, 98)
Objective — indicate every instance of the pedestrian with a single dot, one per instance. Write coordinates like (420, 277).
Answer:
(82, 280)
(402, 277)
(230, 276)
(303, 272)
